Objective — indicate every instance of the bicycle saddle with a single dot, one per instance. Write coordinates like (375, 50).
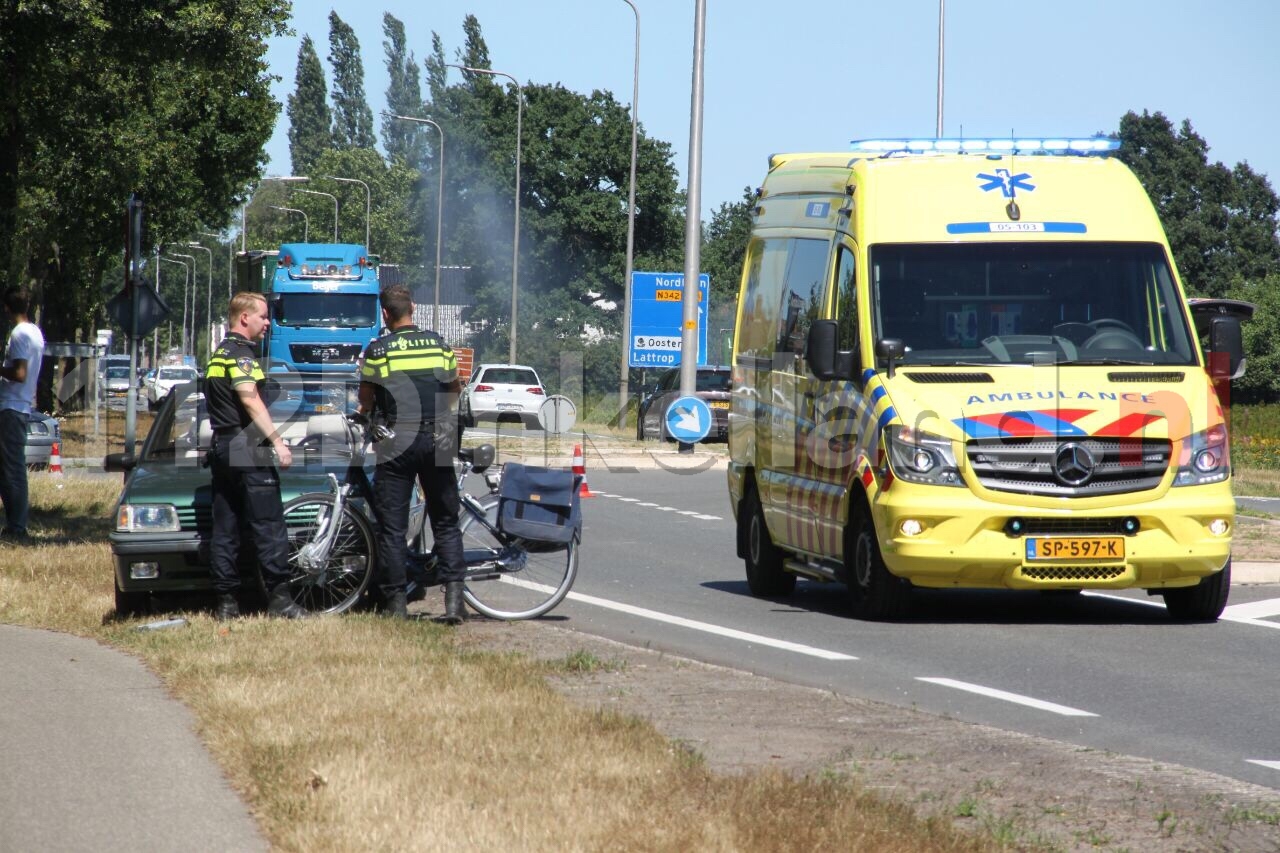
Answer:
(480, 457)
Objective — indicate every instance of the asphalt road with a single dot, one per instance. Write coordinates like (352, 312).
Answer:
(1106, 672)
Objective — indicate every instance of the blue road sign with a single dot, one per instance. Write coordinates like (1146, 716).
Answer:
(657, 316)
(688, 419)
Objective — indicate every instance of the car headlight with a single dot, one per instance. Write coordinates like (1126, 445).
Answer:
(147, 518)
(1205, 458)
(921, 457)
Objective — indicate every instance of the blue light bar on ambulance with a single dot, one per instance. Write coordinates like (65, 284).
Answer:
(1049, 145)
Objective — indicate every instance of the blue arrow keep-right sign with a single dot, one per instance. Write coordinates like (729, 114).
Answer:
(688, 419)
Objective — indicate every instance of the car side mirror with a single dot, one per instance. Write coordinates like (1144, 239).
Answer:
(119, 462)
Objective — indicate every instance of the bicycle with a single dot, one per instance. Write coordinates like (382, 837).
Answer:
(507, 577)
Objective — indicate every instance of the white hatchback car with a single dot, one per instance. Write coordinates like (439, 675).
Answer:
(166, 377)
(502, 392)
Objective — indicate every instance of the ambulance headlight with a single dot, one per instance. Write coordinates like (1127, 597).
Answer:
(1205, 457)
(921, 457)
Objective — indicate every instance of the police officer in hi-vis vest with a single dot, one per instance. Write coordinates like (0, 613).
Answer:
(411, 377)
(246, 482)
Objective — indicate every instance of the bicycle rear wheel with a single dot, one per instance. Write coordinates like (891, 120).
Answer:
(337, 585)
(528, 590)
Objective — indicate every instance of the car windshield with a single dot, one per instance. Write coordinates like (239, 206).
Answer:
(178, 374)
(310, 416)
(1024, 303)
(326, 309)
(510, 376)
(713, 381)
(117, 373)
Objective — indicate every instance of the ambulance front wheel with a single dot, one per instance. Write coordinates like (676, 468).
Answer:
(1203, 602)
(765, 576)
(873, 591)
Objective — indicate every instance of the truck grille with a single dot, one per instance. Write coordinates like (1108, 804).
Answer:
(324, 353)
(1069, 468)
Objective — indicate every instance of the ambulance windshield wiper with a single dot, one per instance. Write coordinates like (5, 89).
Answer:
(1109, 360)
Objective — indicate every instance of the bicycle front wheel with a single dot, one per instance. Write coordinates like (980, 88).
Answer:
(537, 579)
(339, 581)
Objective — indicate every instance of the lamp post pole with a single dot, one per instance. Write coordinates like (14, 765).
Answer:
(208, 306)
(191, 290)
(623, 384)
(306, 220)
(244, 221)
(335, 209)
(231, 259)
(515, 243)
(186, 287)
(367, 200)
(435, 310)
(942, 17)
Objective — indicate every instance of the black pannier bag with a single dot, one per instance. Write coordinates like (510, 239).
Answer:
(539, 504)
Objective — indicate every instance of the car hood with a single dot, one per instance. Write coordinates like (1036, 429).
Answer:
(185, 483)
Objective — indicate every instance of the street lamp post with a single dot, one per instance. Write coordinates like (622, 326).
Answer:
(942, 18)
(186, 288)
(231, 259)
(306, 220)
(623, 384)
(435, 310)
(208, 305)
(335, 209)
(192, 292)
(367, 199)
(244, 222)
(515, 243)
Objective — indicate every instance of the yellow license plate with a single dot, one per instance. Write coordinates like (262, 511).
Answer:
(719, 404)
(1076, 548)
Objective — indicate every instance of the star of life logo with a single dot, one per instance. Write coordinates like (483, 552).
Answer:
(1006, 182)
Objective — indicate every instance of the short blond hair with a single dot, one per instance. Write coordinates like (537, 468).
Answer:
(241, 303)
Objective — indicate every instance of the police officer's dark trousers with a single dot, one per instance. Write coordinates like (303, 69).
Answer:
(246, 490)
(423, 453)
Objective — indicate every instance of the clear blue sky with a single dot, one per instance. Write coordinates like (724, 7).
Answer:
(813, 74)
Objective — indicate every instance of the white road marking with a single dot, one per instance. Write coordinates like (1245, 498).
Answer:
(1254, 613)
(659, 507)
(1270, 765)
(692, 624)
(1009, 697)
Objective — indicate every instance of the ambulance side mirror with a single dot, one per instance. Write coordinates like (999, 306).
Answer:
(1226, 348)
(891, 350)
(825, 360)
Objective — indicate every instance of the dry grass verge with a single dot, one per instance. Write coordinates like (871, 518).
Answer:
(357, 733)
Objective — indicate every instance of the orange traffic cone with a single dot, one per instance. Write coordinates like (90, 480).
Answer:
(580, 470)
(55, 460)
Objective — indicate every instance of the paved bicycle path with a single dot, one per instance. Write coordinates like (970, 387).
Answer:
(95, 755)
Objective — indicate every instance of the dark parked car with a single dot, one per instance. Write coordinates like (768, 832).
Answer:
(712, 387)
(160, 543)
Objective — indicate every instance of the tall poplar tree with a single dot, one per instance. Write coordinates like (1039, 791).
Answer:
(404, 141)
(352, 118)
(309, 117)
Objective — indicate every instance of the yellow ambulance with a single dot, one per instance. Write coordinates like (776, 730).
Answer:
(971, 364)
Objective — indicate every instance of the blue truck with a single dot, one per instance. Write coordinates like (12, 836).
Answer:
(324, 305)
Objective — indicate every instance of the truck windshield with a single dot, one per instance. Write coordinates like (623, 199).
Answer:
(1028, 303)
(326, 309)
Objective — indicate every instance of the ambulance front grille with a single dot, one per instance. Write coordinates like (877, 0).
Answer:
(1031, 466)
(1072, 573)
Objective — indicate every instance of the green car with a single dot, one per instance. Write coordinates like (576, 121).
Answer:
(161, 540)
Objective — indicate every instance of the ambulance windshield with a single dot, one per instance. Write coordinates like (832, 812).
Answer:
(1030, 303)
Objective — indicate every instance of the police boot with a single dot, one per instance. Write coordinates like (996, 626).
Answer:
(282, 605)
(454, 609)
(228, 608)
(396, 606)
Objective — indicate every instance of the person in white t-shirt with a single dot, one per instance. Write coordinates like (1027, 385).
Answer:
(18, 377)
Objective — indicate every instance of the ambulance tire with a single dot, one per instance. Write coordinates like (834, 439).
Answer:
(1203, 602)
(765, 576)
(874, 593)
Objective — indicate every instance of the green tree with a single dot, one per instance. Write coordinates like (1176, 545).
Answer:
(724, 245)
(100, 100)
(403, 140)
(352, 118)
(310, 121)
(1221, 222)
